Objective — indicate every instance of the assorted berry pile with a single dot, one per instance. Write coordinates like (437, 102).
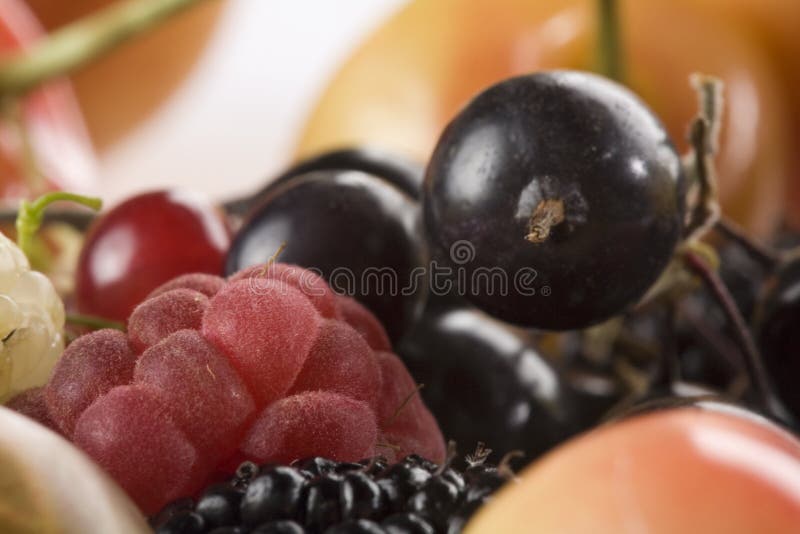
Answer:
(268, 366)
(319, 495)
(292, 362)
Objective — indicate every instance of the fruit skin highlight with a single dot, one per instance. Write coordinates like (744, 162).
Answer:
(564, 185)
(684, 470)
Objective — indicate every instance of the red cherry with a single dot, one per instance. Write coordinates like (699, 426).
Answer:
(144, 242)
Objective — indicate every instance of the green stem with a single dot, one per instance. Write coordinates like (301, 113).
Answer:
(83, 41)
(609, 44)
(93, 322)
(31, 214)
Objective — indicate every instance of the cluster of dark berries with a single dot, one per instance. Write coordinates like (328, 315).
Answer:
(318, 495)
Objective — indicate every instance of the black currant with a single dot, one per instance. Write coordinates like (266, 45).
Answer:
(485, 382)
(359, 231)
(565, 193)
(404, 174)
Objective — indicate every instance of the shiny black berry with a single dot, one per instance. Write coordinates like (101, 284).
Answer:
(435, 501)
(219, 505)
(321, 506)
(279, 527)
(228, 530)
(184, 522)
(359, 526)
(315, 466)
(275, 494)
(404, 174)
(360, 232)
(485, 382)
(407, 477)
(566, 194)
(407, 523)
(361, 497)
(318, 495)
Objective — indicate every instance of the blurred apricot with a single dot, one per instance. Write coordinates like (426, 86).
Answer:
(685, 470)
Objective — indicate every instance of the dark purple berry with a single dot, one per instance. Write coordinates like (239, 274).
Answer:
(184, 522)
(361, 497)
(566, 187)
(279, 527)
(407, 523)
(361, 233)
(219, 505)
(435, 501)
(275, 494)
(321, 506)
(360, 526)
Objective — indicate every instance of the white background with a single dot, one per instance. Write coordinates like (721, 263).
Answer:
(235, 120)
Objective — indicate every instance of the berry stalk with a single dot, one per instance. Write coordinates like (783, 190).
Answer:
(754, 364)
(31, 215)
(766, 256)
(609, 44)
(83, 41)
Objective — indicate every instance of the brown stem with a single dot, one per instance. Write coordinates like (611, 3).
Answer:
(548, 214)
(699, 163)
(759, 378)
(765, 255)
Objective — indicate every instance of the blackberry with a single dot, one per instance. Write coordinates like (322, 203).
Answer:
(407, 523)
(322, 496)
(183, 522)
(274, 495)
(280, 527)
(219, 505)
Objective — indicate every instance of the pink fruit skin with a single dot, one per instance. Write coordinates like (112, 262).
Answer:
(160, 316)
(340, 361)
(203, 394)
(266, 332)
(314, 423)
(90, 367)
(31, 404)
(360, 318)
(207, 284)
(313, 286)
(130, 434)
